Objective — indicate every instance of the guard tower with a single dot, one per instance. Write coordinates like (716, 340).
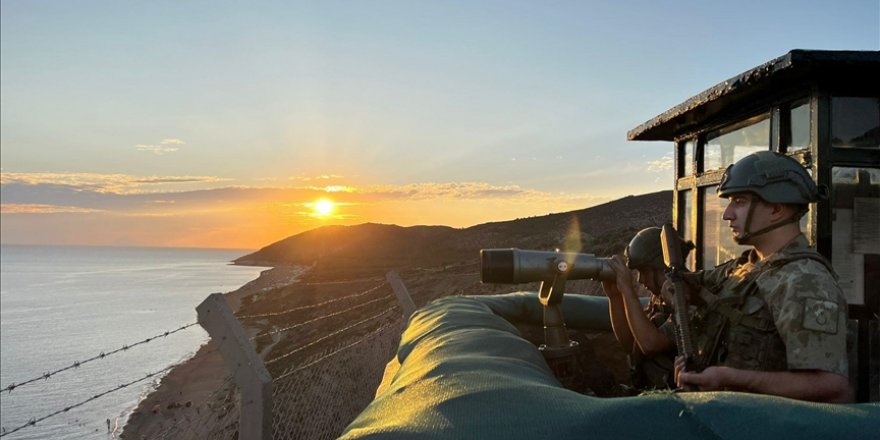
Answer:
(823, 109)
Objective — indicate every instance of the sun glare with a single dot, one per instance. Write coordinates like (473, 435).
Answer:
(323, 207)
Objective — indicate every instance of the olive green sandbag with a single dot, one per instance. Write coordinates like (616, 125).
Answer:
(466, 373)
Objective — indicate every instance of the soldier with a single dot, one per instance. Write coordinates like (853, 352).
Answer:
(772, 321)
(645, 333)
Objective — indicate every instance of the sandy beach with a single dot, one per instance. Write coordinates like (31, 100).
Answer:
(185, 392)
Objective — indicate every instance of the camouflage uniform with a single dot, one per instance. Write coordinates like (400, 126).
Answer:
(652, 372)
(655, 372)
(786, 312)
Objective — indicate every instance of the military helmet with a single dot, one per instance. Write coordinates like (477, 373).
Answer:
(774, 177)
(645, 250)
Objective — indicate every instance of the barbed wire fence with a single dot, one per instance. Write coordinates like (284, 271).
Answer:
(33, 421)
(324, 370)
(99, 356)
(308, 374)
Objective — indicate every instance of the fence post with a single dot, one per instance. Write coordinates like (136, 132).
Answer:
(245, 365)
(406, 302)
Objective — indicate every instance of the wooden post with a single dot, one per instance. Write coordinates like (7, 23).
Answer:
(406, 302)
(245, 365)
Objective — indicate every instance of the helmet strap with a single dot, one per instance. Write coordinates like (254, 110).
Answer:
(748, 234)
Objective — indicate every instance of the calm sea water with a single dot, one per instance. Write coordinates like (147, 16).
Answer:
(59, 305)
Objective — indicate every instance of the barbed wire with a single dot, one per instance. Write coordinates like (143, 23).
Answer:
(335, 351)
(343, 281)
(420, 281)
(300, 324)
(34, 421)
(102, 355)
(298, 349)
(311, 306)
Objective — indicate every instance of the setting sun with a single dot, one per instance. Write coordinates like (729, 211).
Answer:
(323, 207)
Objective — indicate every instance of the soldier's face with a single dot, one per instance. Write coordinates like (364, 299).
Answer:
(737, 213)
(652, 279)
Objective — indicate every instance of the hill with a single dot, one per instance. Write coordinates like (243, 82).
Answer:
(601, 229)
(326, 333)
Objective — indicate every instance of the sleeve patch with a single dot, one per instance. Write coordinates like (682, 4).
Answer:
(820, 315)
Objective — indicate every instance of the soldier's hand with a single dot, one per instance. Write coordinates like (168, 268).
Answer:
(612, 287)
(710, 379)
(623, 278)
(677, 368)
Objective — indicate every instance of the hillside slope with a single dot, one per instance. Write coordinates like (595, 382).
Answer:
(325, 334)
(600, 229)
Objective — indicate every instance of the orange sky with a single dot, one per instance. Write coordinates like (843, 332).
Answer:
(172, 124)
(118, 210)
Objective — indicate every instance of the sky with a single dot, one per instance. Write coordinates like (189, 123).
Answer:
(223, 124)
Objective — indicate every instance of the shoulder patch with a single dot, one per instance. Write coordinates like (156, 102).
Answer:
(820, 315)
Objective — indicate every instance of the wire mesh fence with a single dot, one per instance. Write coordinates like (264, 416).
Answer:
(307, 403)
(325, 363)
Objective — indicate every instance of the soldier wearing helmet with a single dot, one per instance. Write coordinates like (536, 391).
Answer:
(772, 178)
(642, 330)
(772, 321)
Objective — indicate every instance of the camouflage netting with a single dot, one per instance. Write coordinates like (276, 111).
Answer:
(465, 372)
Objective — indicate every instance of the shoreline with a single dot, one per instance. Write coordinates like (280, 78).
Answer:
(190, 386)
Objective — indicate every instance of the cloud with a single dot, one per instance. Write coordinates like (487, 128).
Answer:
(179, 189)
(180, 179)
(316, 178)
(663, 164)
(332, 189)
(121, 195)
(164, 146)
(102, 183)
(78, 207)
(431, 190)
(156, 149)
(13, 208)
(455, 190)
(451, 191)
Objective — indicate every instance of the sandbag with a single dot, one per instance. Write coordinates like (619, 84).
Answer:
(466, 373)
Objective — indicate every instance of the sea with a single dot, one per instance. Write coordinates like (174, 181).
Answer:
(62, 305)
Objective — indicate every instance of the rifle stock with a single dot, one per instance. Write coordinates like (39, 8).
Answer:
(672, 256)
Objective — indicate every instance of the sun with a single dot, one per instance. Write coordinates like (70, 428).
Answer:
(323, 207)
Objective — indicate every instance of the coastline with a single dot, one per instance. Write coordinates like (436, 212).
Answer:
(199, 400)
(197, 382)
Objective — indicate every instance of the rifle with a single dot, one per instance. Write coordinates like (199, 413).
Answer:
(672, 256)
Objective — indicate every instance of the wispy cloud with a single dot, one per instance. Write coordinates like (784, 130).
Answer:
(67, 207)
(103, 183)
(103, 190)
(148, 203)
(316, 178)
(462, 190)
(13, 208)
(452, 191)
(164, 146)
(333, 189)
(662, 164)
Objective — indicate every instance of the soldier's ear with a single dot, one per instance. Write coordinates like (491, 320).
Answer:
(779, 211)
